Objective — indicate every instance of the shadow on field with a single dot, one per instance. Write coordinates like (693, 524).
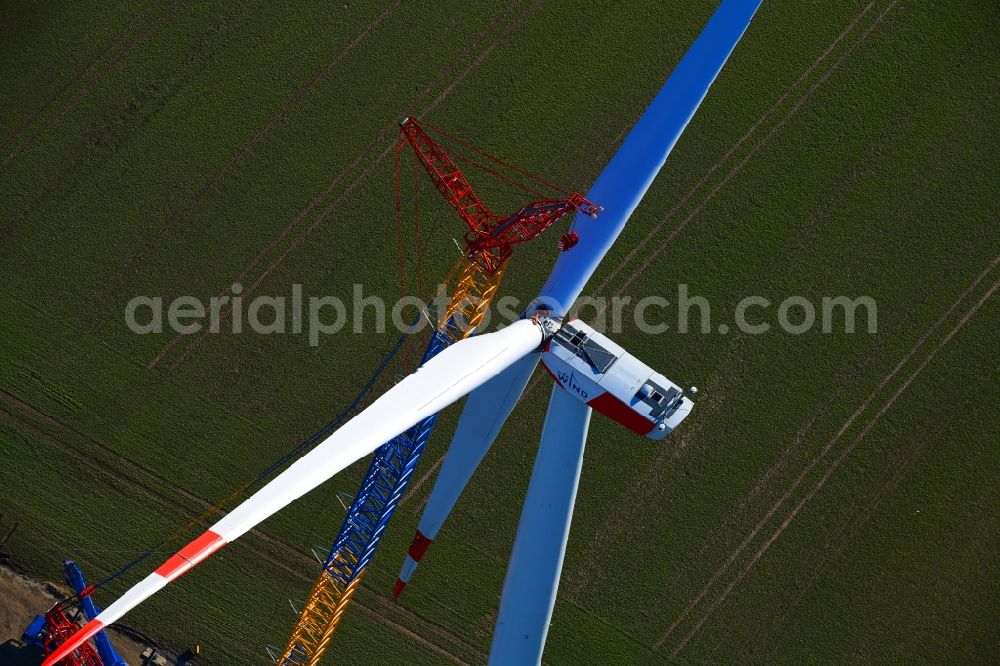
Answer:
(16, 653)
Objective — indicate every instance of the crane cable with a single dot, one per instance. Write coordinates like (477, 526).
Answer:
(493, 158)
(269, 471)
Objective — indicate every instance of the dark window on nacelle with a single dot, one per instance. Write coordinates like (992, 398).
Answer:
(570, 338)
(658, 398)
(599, 358)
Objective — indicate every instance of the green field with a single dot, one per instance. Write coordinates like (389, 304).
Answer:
(833, 497)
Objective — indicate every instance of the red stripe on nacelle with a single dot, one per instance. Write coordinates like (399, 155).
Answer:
(609, 405)
(419, 546)
(75, 641)
(190, 555)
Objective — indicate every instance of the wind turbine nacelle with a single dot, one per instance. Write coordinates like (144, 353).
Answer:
(602, 374)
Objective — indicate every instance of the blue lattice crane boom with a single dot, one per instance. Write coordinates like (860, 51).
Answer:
(74, 576)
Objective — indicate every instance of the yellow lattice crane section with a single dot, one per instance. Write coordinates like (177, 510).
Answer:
(472, 292)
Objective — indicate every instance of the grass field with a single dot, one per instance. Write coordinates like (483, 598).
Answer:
(832, 498)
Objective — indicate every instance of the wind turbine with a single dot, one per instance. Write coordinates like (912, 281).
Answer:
(591, 372)
(626, 390)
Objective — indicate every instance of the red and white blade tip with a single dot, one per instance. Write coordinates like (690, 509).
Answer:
(415, 553)
(418, 548)
(190, 555)
(179, 564)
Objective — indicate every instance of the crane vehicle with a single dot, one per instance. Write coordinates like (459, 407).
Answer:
(50, 630)
(493, 369)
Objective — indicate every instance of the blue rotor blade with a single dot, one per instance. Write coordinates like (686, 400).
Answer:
(625, 179)
(529, 592)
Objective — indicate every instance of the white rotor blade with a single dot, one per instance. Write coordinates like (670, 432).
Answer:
(441, 381)
(484, 414)
(529, 591)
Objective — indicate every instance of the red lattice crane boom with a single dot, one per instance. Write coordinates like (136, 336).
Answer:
(490, 236)
(58, 629)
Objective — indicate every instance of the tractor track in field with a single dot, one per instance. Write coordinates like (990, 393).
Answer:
(860, 410)
(844, 382)
(830, 469)
(613, 526)
(861, 512)
(381, 137)
(798, 243)
(237, 157)
(99, 143)
(642, 485)
(736, 170)
(58, 92)
(421, 481)
(89, 84)
(749, 134)
(759, 485)
(208, 509)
